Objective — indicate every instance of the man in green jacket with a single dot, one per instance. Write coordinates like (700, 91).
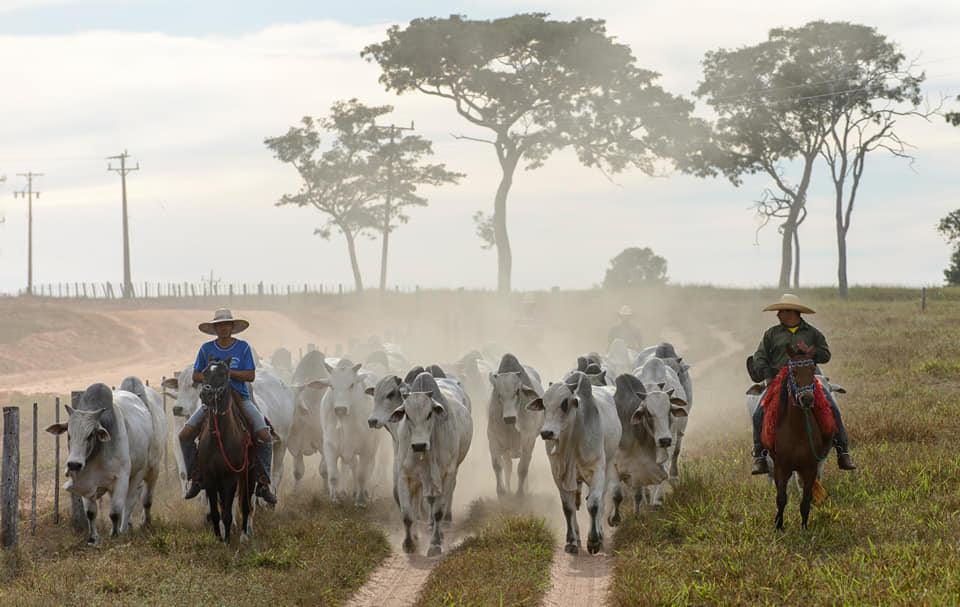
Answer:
(771, 357)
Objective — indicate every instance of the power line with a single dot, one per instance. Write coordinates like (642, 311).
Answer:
(29, 193)
(123, 170)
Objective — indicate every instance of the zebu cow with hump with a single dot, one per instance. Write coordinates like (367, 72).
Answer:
(344, 410)
(666, 352)
(512, 428)
(273, 397)
(116, 447)
(306, 433)
(433, 437)
(651, 408)
(581, 431)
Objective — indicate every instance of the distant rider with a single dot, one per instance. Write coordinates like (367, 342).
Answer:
(625, 330)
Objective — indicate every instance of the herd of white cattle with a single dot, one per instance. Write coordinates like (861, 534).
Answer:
(612, 422)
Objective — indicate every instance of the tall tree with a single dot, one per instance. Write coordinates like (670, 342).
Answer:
(335, 181)
(538, 86)
(397, 173)
(873, 89)
(953, 117)
(949, 228)
(770, 99)
(635, 266)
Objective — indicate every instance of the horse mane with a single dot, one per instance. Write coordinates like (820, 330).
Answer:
(773, 405)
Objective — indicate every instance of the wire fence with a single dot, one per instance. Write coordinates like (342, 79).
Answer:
(193, 290)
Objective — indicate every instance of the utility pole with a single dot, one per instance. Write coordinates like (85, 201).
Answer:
(389, 199)
(29, 194)
(3, 218)
(123, 170)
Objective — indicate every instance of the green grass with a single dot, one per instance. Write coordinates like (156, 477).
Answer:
(506, 563)
(887, 534)
(306, 553)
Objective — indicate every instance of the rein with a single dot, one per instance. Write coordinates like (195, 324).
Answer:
(218, 434)
(806, 418)
(797, 391)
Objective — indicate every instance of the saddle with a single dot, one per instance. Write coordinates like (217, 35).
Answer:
(776, 391)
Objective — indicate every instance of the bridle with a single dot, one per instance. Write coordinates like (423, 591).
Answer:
(798, 391)
(213, 397)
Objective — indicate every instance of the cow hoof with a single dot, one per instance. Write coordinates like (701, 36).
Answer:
(594, 547)
(434, 550)
(244, 537)
(92, 541)
(614, 520)
(409, 546)
(572, 549)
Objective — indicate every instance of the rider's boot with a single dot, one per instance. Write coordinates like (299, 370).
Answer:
(759, 453)
(265, 457)
(844, 461)
(189, 449)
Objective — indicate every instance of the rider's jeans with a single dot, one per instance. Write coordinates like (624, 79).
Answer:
(840, 440)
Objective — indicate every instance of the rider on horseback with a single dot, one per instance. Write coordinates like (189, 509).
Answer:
(242, 371)
(771, 356)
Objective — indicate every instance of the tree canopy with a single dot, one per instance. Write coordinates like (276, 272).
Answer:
(538, 85)
(634, 267)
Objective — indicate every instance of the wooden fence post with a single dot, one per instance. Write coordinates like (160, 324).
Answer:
(923, 299)
(10, 491)
(78, 518)
(56, 467)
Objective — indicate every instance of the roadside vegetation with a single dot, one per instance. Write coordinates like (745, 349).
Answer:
(506, 562)
(887, 533)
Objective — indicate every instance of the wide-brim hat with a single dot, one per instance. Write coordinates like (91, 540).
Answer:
(625, 310)
(789, 302)
(219, 316)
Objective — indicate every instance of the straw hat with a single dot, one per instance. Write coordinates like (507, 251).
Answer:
(223, 315)
(789, 302)
(625, 311)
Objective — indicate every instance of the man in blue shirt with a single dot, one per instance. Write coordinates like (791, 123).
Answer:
(242, 372)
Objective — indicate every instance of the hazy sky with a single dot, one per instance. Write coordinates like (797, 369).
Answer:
(191, 89)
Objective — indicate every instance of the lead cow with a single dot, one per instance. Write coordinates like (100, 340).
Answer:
(116, 447)
(581, 432)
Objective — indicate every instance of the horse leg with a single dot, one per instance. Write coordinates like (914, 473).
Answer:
(226, 498)
(780, 478)
(808, 479)
(213, 503)
(245, 493)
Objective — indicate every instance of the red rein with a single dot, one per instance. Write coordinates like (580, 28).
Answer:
(223, 452)
(771, 414)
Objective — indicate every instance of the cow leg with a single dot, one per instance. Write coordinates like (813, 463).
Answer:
(436, 515)
(507, 471)
(614, 490)
(90, 507)
(780, 478)
(617, 496)
(523, 466)
(363, 475)
(148, 491)
(570, 514)
(639, 496)
(276, 468)
(298, 469)
(595, 509)
(497, 462)
(448, 499)
(330, 458)
(674, 465)
(656, 494)
(118, 503)
(405, 495)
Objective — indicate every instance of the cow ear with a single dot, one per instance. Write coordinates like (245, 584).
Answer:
(641, 396)
(574, 401)
(491, 376)
(536, 404)
(397, 414)
(637, 416)
(102, 434)
(662, 384)
(678, 401)
(670, 391)
(171, 383)
(678, 410)
(69, 409)
(369, 391)
(439, 409)
(56, 428)
(528, 392)
(327, 366)
(356, 367)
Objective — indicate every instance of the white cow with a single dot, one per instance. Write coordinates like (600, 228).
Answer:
(651, 408)
(432, 440)
(306, 434)
(512, 428)
(344, 411)
(665, 351)
(154, 402)
(116, 447)
(581, 431)
(273, 397)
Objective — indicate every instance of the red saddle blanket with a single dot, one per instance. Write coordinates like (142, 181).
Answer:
(771, 406)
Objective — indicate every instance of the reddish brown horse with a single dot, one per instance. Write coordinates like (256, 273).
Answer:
(800, 414)
(226, 453)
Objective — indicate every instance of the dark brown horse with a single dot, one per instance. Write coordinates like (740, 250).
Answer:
(800, 445)
(226, 453)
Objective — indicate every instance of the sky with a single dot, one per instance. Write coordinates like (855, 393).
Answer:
(191, 89)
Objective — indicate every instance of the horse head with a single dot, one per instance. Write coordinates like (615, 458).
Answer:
(215, 390)
(802, 376)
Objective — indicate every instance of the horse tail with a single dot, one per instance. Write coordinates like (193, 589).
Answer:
(819, 492)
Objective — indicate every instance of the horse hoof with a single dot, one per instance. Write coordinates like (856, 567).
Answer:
(572, 549)
(434, 550)
(409, 546)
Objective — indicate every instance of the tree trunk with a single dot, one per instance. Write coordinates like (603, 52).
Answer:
(508, 163)
(351, 246)
(796, 257)
(383, 259)
(786, 253)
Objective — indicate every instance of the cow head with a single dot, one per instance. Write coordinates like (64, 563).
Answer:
(346, 386)
(421, 412)
(388, 396)
(656, 413)
(510, 391)
(84, 434)
(185, 391)
(559, 404)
